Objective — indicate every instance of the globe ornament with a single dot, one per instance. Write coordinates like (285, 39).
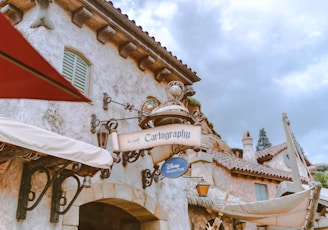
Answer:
(171, 111)
(175, 90)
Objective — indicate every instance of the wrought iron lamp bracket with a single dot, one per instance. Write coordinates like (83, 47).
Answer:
(148, 177)
(110, 125)
(94, 123)
(107, 100)
(26, 194)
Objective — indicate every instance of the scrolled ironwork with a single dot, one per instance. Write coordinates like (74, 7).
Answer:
(94, 123)
(129, 107)
(105, 173)
(148, 177)
(56, 171)
(107, 100)
(179, 148)
(132, 156)
(76, 166)
(198, 117)
(27, 195)
(59, 198)
(111, 124)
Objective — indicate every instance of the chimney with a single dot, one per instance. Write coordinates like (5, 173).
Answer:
(248, 151)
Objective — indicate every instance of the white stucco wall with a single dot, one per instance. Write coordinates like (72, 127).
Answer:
(110, 73)
(279, 162)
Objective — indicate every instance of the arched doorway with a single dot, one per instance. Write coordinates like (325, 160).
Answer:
(100, 204)
(102, 216)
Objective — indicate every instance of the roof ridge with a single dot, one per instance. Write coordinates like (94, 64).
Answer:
(233, 163)
(152, 37)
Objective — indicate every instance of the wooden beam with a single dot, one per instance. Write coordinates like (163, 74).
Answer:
(145, 62)
(126, 49)
(80, 16)
(162, 74)
(105, 33)
(15, 14)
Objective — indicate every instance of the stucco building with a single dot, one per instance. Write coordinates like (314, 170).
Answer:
(100, 51)
(125, 73)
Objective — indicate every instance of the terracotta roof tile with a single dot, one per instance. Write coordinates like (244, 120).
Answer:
(141, 29)
(270, 152)
(236, 164)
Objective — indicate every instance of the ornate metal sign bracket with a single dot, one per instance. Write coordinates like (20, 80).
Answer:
(133, 156)
(148, 177)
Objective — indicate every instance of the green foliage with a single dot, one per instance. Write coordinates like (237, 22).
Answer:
(211, 126)
(263, 141)
(322, 177)
(194, 101)
(322, 168)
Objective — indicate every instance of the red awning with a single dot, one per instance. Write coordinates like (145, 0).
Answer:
(24, 73)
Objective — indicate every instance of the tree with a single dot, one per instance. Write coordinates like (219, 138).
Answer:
(322, 177)
(263, 141)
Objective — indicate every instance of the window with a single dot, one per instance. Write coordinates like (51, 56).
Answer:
(286, 159)
(261, 192)
(76, 70)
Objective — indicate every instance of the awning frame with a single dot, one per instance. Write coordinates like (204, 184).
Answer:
(57, 170)
(57, 157)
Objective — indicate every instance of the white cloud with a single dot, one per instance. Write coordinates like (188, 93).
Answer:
(315, 149)
(313, 77)
(256, 58)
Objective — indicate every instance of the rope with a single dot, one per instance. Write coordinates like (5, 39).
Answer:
(218, 221)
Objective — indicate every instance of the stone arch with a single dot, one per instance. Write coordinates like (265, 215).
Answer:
(126, 197)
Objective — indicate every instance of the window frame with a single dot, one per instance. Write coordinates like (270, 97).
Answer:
(76, 69)
(261, 192)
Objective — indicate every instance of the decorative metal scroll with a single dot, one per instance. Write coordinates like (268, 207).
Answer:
(133, 156)
(59, 199)
(26, 194)
(55, 176)
(148, 177)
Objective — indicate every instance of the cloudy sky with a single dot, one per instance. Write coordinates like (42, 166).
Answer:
(257, 59)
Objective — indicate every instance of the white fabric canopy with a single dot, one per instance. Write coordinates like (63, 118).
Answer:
(286, 211)
(46, 142)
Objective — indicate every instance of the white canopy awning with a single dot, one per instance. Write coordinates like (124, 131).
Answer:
(286, 211)
(49, 143)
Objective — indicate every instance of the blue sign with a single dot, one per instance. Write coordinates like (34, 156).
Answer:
(174, 167)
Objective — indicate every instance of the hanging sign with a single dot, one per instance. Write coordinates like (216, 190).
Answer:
(174, 167)
(181, 134)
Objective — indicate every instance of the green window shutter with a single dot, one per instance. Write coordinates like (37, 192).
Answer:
(261, 192)
(76, 70)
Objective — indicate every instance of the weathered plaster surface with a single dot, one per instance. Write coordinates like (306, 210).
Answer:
(278, 162)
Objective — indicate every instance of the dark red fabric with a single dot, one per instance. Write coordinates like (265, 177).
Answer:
(24, 73)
